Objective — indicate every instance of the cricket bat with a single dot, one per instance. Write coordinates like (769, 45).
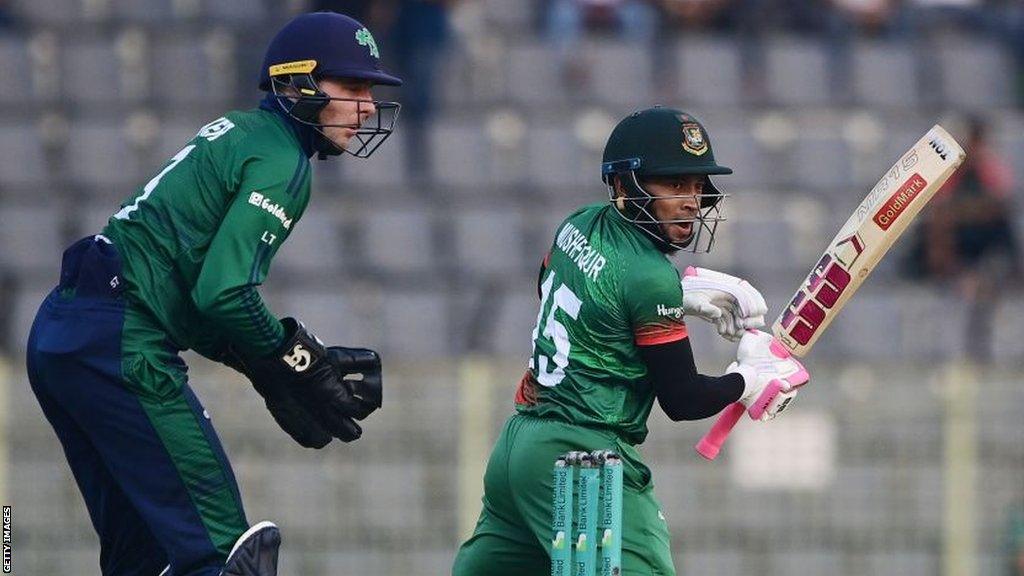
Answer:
(850, 257)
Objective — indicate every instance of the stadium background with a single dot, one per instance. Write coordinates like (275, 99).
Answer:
(902, 457)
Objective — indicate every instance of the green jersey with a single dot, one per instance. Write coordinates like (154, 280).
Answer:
(199, 237)
(605, 290)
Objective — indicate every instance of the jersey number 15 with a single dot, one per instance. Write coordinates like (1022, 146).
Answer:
(550, 328)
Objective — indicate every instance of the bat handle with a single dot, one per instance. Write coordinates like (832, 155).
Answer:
(711, 443)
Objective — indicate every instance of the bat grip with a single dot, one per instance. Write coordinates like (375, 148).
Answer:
(711, 443)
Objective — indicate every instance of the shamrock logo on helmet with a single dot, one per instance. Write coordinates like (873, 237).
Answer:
(364, 38)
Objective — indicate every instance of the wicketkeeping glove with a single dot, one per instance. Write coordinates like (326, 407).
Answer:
(771, 375)
(728, 302)
(336, 386)
(360, 369)
(292, 417)
(282, 405)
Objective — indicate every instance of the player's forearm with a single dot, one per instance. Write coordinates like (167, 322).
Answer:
(240, 315)
(682, 392)
(702, 397)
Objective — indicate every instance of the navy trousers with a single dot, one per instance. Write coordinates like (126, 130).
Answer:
(145, 504)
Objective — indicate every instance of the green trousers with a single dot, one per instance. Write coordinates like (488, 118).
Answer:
(513, 535)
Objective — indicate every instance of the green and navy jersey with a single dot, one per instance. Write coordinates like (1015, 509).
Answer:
(198, 238)
(605, 290)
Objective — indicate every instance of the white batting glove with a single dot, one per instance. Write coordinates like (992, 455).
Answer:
(771, 375)
(728, 302)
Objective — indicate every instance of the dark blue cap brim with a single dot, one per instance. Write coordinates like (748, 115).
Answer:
(375, 76)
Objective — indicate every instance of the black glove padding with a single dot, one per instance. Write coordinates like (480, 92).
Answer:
(287, 412)
(302, 364)
(360, 373)
(302, 426)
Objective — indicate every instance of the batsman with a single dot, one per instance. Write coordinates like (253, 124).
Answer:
(177, 268)
(611, 339)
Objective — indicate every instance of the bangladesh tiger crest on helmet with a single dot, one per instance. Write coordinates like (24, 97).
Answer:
(694, 141)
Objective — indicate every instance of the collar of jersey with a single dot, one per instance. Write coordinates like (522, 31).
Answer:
(305, 134)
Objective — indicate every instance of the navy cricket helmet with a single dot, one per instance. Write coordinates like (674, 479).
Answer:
(321, 45)
(662, 142)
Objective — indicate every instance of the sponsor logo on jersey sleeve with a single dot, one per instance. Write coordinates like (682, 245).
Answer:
(670, 311)
(275, 210)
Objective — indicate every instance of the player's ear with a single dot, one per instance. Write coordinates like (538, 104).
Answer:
(620, 192)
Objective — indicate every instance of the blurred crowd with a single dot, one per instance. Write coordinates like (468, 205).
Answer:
(822, 17)
(835, 22)
(968, 239)
(417, 33)
(968, 242)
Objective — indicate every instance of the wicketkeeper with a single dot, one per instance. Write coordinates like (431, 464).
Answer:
(611, 338)
(177, 268)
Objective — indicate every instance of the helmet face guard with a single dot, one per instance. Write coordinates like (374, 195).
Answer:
(637, 208)
(301, 98)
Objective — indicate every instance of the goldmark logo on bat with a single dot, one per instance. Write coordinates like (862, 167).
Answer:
(892, 209)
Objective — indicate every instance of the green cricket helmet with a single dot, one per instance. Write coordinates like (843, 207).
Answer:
(662, 142)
